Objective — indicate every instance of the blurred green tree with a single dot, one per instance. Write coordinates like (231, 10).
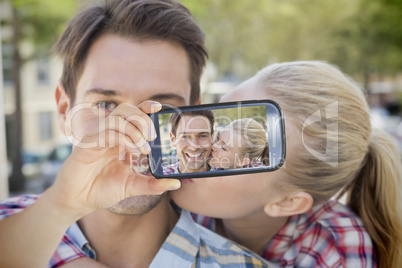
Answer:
(38, 22)
(372, 40)
(360, 36)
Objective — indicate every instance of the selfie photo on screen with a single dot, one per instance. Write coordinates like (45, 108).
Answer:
(202, 141)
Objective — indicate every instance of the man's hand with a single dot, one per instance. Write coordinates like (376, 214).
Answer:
(102, 175)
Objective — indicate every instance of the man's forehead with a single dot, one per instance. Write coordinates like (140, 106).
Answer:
(194, 122)
(194, 127)
(136, 71)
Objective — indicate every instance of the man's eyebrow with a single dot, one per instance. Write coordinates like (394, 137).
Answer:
(157, 97)
(100, 91)
(167, 96)
(204, 132)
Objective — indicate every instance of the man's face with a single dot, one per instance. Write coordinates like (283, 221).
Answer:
(118, 70)
(193, 143)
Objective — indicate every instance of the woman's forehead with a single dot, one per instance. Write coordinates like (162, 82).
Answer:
(231, 137)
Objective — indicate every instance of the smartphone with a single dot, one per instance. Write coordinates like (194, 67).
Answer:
(219, 139)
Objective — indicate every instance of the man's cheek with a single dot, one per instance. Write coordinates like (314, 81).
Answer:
(85, 122)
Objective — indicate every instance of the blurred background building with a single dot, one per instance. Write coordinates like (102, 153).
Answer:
(35, 108)
(362, 37)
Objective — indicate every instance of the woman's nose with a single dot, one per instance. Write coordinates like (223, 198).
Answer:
(214, 146)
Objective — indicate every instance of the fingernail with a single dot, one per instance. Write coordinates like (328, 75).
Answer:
(155, 106)
(175, 187)
(152, 135)
(146, 147)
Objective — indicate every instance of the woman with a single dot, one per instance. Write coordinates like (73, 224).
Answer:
(241, 144)
(287, 215)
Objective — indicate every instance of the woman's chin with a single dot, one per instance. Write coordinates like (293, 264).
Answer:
(214, 162)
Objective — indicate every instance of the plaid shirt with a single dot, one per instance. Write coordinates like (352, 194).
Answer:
(255, 163)
(174, 169)
(329, 235)
(171, 169)
(67, 249)
(188, 245)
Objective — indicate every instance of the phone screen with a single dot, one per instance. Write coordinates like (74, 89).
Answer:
(217, 139)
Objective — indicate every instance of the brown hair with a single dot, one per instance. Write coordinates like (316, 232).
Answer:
(340, 153)
(165, 20)
(175, 118)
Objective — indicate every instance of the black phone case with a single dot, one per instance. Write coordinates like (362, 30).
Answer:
(156, 152)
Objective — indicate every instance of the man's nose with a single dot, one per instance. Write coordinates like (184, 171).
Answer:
(195, 143)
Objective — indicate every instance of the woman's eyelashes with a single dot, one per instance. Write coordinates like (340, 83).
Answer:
(220, 144)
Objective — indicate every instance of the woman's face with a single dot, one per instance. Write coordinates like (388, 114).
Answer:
(231, 196)
(225, 150)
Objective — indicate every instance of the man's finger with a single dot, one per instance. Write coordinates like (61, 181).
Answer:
(150, 106)
(137, 117)
(147, 185)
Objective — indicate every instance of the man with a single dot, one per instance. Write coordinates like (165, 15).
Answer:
(191, 135)
(117, 58)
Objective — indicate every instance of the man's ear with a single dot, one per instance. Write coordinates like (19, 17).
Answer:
(63, 106)
(295, 204)
(172, 137)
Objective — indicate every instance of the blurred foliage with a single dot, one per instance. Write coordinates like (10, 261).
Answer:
(223, 117)
(360, 36)
(36, 22)
(42, 21)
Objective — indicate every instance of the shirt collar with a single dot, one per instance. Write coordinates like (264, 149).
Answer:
(177, 171)
(181, 247)
(184, 240)
(176, 168)
(75, 233)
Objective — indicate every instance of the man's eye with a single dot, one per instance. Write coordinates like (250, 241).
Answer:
(185, 137)
(107, 105)
(204, 136)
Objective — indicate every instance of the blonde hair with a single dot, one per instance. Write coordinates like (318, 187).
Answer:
(255, 145)
(336, 150)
